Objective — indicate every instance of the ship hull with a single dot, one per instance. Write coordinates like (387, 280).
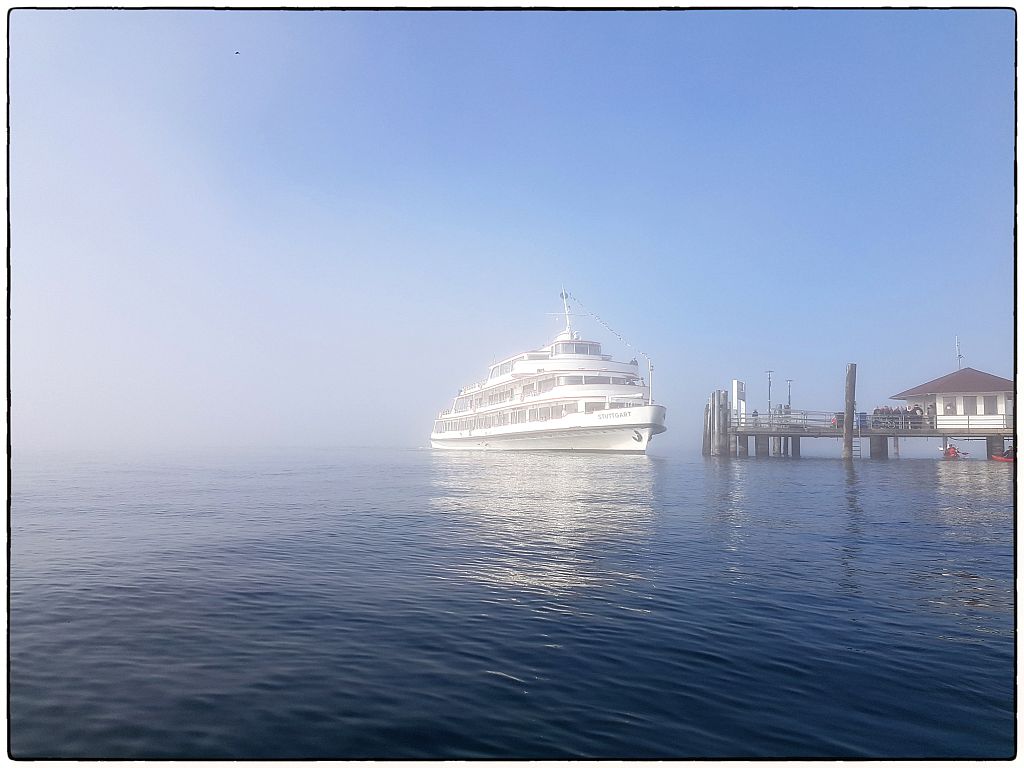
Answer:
(613, 431)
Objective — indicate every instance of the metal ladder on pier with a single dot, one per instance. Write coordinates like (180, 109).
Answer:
(855, 448)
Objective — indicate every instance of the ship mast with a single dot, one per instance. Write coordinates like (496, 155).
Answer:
(565, 305)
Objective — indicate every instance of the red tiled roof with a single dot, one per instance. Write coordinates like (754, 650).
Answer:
(966, 380)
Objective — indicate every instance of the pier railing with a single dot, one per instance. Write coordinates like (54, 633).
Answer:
(793, 419)
(834, 420)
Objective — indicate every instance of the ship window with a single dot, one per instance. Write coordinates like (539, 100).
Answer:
(545, 414)
(596, 380)
(546, 385)
(556, 411)
(570, 379)
(533, 414)
(591, 407)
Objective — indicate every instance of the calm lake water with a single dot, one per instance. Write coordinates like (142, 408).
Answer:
(413, 604)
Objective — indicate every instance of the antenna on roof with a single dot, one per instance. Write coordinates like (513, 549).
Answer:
(959, 357)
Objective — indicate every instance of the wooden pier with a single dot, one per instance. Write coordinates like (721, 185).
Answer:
(728, 433)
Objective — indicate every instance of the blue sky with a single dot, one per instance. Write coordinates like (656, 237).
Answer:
(317, 240)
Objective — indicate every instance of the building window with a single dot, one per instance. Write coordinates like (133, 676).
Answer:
(970, 405)
(949, 406)
(991, 405)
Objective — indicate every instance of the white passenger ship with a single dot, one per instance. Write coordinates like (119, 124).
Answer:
(566, 396)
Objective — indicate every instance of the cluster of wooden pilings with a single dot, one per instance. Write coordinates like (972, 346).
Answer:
(721, 439)
(716, 425)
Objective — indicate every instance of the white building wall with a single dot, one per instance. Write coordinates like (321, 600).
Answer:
(980, 420)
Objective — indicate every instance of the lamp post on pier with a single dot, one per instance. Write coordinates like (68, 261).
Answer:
(769, 396)
(789, 392)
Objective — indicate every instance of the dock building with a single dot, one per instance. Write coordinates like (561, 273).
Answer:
(964, 399)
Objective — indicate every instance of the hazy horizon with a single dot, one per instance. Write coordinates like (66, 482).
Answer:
(311, 229)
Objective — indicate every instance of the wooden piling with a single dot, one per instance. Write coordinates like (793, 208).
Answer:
(760, 445)
(705, 449)
(742, 445)
(713, 404)
(723, 415)
(711, 425)
(795, 443)
(851, 396)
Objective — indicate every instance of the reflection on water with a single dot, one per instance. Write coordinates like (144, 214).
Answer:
(728, 506)
(852, 544)
(972, 491)
(541, 521)
(975, 502)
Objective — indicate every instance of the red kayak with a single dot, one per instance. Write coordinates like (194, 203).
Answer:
(1003, 458)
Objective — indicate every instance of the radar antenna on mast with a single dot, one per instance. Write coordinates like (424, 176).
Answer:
(959, 357)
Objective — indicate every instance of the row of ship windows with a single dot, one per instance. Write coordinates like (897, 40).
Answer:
(577, 348)
(539, 387)
(520, 416)
(563, 348)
